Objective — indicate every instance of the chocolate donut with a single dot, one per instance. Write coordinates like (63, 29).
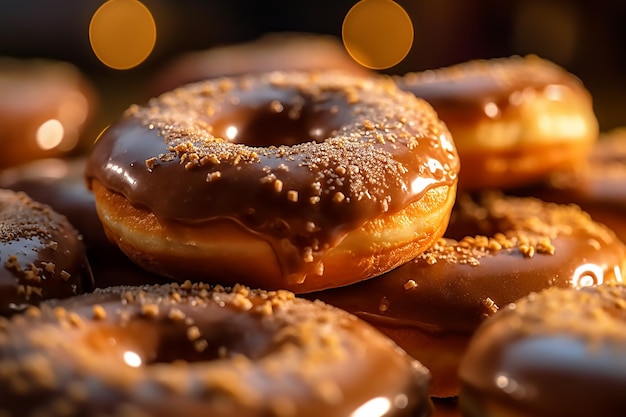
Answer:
(192, 350)
(514, 120)
(559, 353)
(505, 248)
(41, 254)
(60, 183)
(298, 181)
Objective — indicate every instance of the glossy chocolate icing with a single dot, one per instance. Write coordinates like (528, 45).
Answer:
(559, 353)
(514, 120)
(60, 183)
(42, 255)
(192, 350)
(514, 246)
(470, 92)
(297, 159)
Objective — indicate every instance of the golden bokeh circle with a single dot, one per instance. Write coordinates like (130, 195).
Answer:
(122, 33)
(378, 34)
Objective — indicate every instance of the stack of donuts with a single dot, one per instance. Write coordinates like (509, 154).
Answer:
(316, 241)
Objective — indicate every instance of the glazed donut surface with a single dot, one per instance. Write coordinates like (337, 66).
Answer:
(514, 120)
(300, 181)
(60, 184)
(193, 350)
(42, 256)
(557, 353)
(505, 248)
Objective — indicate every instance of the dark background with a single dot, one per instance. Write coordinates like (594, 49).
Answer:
(585, 37)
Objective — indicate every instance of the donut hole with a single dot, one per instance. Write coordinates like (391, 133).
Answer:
(470, 218)
(274, 117)
(146, 342)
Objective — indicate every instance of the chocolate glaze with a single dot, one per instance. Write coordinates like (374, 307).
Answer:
(461, 93)
(42, 255)
(297, 159)
(559, 353)
(512, 247)
(514, 120)
(192, 350)
(458, 283)
(60, 183)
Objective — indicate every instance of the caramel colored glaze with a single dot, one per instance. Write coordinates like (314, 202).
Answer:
(42, 255)
(599, 186)
(60, 183)
(514, 120)
(310, 158)
(512, 247)
(286, 51)
(192, 350)
(559, 353)
(36, 91)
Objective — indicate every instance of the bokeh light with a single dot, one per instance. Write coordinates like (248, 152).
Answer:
(122, 33)
(50, 134)
(378, 34)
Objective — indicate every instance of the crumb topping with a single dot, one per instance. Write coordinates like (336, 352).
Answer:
(509, 72)
(65, 346)
(596, 314)
(527, 226)
(41, 252)
(379, 150)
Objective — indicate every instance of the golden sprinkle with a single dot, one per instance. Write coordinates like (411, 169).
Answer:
(276, 106)
(308, 255)
(338, 197)
(193, 333)
(490, 306)
(200, 345)
(33, 312)
(65, 275)
(150, 163)
(75, 320)
(60, 313)
(128, 296)
(12, 263)
(212, 176)
(410, 284)
(278, 186)
(49, 267)
(176, 314)
(150, 310)
(383, 305)
(292, 196)
(99, 313)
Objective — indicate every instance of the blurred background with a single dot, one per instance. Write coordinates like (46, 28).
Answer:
(585, 37)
